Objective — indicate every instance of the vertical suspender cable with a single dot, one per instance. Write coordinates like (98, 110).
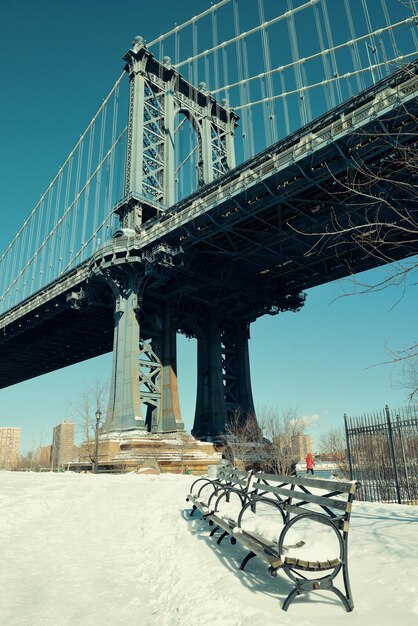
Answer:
(354, 51)
(303, 109)
(195, 80)
(372, 48)
(76, 210)
(44, 263)
(108, 208)
(215, 54)
(391, 35)
(334, 64)
(246, 128)
(66, 221)
(329, 93)
(98, 195)
(247, 89)
(269, 110)
(86, 203)
(36, 262)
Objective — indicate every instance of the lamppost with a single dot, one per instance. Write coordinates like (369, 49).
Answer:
(96, 454)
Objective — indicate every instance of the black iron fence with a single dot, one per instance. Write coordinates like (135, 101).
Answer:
(383, 454)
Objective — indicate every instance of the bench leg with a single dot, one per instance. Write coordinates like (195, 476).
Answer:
(193, 510)
(213, 531)
(249, 556)
(305, 586)
(350, 603)
(224, 534)
(292, 595)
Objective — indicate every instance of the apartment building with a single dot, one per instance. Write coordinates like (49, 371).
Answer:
(297, 446)
(45, 456)
(9, 447)
(62, 445)
(301, 444)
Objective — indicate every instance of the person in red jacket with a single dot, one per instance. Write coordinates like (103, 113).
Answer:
(310, 464)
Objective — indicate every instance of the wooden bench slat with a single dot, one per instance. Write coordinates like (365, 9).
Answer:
(341, 486)
(331, 503)
(265, 552)
(311, 566)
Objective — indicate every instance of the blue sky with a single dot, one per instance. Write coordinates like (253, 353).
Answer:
(58, 60)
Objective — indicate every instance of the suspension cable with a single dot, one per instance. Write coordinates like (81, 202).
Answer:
(256, 29)
(327, 51)
(322, 83)
(70, 156)
(192, 20)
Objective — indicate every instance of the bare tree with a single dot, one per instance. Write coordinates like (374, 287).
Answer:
(379, 192)
(242, 434)
(263, 443)
(29, 461)
(84, 409)
(371, 208)
(410, 379)
(279, 429)
(333, 445)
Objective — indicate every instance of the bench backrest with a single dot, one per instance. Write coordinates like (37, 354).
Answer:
(332, 498)
(231, 477)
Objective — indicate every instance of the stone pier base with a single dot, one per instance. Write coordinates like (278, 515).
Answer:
(177, 453)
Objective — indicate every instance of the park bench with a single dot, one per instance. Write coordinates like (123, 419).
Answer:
(205, 490)
(296, 524)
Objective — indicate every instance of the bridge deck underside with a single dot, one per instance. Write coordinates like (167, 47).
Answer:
(254, 251)
(47, 340)
(249, 254)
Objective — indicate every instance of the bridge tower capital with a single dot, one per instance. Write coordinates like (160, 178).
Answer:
(158, 93)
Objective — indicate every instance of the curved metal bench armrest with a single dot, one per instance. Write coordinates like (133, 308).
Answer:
(226, 491)
(199, 480)
(205, 482)
(253, 500)
(318, 517)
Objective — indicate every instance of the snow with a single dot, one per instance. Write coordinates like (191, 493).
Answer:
(114, 550)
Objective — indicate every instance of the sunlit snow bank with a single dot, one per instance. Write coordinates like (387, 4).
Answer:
(121, 550)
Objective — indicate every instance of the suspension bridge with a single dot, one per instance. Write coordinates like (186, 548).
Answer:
(204, 194)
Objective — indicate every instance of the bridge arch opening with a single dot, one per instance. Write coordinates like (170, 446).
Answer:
(187, 154)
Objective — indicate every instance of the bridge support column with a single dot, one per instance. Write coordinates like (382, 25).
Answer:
(211, 412)
(238, 392)
(144, 372)
(166, 416)
(223, 378)
(124, 409)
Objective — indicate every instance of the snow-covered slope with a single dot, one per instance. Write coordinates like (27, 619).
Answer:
(121, 550)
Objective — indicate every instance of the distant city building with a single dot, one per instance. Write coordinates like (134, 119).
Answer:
(45, 456)
(297, 446)
(9, 447)
(62, 445)
(301, 445)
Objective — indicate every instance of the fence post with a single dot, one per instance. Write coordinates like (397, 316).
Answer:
(405, 466)
(392, 449)
(348, 447)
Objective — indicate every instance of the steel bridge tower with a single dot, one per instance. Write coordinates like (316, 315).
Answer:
(144, 350)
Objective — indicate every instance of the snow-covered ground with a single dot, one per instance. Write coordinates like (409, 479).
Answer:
(122, 550)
